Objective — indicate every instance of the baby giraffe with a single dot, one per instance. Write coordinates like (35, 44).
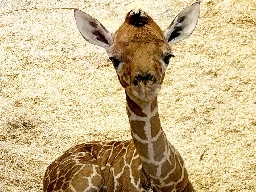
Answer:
(140, 52)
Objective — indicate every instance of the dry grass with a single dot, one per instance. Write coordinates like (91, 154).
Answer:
(57, 90)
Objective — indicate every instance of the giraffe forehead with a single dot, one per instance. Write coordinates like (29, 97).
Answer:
(146, 33)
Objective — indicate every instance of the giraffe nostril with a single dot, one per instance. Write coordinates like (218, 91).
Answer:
(143, 78)
(135, 82)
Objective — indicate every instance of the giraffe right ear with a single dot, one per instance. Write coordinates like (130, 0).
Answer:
(183, 24)
(92, 30)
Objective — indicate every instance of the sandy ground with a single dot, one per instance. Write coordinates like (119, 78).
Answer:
(57, 90)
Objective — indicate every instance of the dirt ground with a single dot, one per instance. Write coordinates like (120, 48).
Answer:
(57, 90)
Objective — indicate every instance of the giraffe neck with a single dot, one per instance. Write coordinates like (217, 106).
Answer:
(159, 159)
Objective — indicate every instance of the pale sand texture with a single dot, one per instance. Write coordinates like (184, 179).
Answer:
(57, 90)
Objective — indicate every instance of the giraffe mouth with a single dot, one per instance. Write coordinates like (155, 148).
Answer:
(144, 92)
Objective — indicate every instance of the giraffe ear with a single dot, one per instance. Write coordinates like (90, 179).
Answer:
(183, 24)
(92, 30)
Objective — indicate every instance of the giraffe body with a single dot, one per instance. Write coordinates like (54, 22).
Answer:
(106, 166)
(140, 52)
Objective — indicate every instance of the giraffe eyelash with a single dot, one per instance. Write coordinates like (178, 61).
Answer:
(115, 62)
(167, 57)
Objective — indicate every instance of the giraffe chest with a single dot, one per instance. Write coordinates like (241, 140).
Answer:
(122, 169)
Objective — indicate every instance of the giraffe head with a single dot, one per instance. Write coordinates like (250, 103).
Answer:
(139, 49)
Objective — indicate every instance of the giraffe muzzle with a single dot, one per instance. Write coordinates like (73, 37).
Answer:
(144, 78)
(145, 86)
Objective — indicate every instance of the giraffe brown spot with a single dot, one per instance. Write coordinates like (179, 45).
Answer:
(155, 123)
(157, 182)
(176, 175)
(118, 153)
(85, 158)
(49, 187)
(80, 184)
(158, 74)
(59, 183)
(185, 180)
(69, 164)
(104, 157)
(183, 184)
(69, 190)
(109, 154)
(139, 128)
(134, 169)
(128, 112)
(123, 185)
(53, 173)
(141, 148)
(129, 153)
(65, 186)
(168, 188)
(123, 82)
(156, 68)
(189, 187)
(79, 180)
(160, 70)
(62, 169)
(119, 168)
(150, 168)
(166, 168)
(135, 108)
(153, 105)
(162, 78)
(97, 180)
(159, 147)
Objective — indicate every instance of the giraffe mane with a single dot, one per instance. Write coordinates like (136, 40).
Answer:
(137, 18)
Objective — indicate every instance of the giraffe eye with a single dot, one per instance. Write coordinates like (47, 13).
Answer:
(115, 62)
(167, 58)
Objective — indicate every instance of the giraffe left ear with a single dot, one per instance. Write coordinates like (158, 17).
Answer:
(92, 30)
(183, 24)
